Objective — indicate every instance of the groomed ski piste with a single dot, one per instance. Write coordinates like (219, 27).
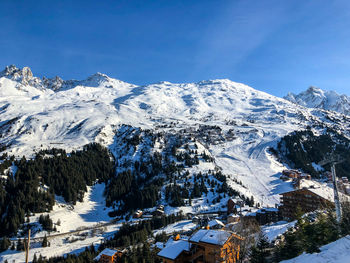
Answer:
(70, 114)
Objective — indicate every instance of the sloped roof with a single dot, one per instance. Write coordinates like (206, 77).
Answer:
(107, 252)
(173, 249)
(215, 237)
(320, 189)
(215, 222)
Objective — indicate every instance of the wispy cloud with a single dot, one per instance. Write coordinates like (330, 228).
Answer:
(236, 32)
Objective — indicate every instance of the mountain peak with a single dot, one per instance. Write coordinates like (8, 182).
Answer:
(97, 78)
(98, 75)
(315, 90)
(216, 81)
(9, 70)
(15, 73)
(315, 97)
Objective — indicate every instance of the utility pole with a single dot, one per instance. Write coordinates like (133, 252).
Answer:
(336, 195)
(337, 204)
(27, 246)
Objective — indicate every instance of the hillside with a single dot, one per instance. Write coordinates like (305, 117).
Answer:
(234, 122)
(304, 150)
(186, 146)
(337, 252)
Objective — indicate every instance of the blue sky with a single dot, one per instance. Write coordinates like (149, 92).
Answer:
(274, 46)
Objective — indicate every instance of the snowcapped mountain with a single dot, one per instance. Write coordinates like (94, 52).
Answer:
(316, 98)
(236, 123)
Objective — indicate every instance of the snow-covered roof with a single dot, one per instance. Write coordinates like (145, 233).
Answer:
(215, 237)
(320, 189)
(215, 222)
(107, 252)
(173, 249)
(325, 192)
(249, 212)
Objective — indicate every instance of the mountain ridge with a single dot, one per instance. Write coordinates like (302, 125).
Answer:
(236, 123)
(315, 97)
(25, 76)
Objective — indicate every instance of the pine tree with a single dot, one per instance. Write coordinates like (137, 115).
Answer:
(259, 253)
(5, 243)
(20, 245)
(45, 242)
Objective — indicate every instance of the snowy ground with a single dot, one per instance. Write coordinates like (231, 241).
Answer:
(274, 230)
(86, 214)
(335, 252)
(92, 110)
(178, 227)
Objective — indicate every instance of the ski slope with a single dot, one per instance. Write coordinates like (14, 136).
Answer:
(37, 114)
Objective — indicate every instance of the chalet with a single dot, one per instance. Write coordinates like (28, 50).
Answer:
(215, 246)
(295, 175)
(290, 174)
(216, 224)
(137, 214)
(109, 256)
(175, 251)
(231, 206)
(203, 246)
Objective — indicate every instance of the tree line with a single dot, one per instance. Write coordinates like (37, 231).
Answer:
(52, 172)
(302, 148)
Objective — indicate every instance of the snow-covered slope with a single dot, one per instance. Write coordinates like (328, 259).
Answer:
(316, 98)
(88, 216)
(335, 252)
(236, 123)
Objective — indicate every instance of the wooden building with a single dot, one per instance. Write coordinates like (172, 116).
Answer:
(137, 214)
(231, 207)
(109, 256)
(176, 251)
(215, 246)
(307, 199)
(215, 224)
(207, 246)
(268, 215)
(291, 174)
